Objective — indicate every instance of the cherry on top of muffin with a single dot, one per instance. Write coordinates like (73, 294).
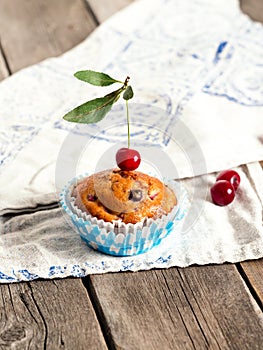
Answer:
(95, 110)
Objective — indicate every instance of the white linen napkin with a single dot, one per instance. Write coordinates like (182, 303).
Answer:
(193, 98)
(45, 245)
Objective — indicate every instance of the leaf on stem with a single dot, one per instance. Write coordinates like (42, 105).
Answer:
(93, 111)
(128, 93)
(95, 78)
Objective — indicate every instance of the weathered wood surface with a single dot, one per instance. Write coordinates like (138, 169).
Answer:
(48, 315)
(192, 308)
(31, 30)
(253, 274)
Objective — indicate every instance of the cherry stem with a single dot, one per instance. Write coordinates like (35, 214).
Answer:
(126, 82)
(128, 122)
(127, 109)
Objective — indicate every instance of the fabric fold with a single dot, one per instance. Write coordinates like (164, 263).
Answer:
(46, 245)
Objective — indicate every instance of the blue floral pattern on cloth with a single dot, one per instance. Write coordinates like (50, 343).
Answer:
(79, 271)
(211, 63)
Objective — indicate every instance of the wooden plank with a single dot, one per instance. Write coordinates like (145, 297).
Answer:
(193, 308)
(48, 315)
(103, 9)
(33, 30)
(253, 8)
(3, 67)
(253, 273)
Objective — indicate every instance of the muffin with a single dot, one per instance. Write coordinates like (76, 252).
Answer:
(129, 196)
(120, 211)
(124, 213)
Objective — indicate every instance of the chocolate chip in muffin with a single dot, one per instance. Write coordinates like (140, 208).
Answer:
(135, 195)
(129, 196)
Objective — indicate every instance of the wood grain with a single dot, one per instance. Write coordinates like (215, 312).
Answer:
(48, 315)
(193, 308)
(253, 271)
(103, 9)
(31, 31)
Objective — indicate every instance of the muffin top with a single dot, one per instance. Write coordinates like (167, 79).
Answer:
(129, 196)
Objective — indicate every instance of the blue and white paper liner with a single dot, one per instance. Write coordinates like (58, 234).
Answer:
(120, 239)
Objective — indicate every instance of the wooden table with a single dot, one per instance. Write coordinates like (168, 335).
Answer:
(199, 307)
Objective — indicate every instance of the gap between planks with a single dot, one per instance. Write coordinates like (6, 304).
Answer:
(193, 308)
(32, 31)
(50, 314)
(4, 67)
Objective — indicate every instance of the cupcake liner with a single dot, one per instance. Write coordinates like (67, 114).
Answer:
(120, 239)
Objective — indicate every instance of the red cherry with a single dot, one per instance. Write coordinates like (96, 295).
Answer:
(231, 176)
(128, 159)
(223, 192)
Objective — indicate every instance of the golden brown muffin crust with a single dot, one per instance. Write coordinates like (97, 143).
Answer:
(127, 195)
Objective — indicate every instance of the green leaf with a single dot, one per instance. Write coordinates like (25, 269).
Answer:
(93, 111)
(95, 78)
(128, 93)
